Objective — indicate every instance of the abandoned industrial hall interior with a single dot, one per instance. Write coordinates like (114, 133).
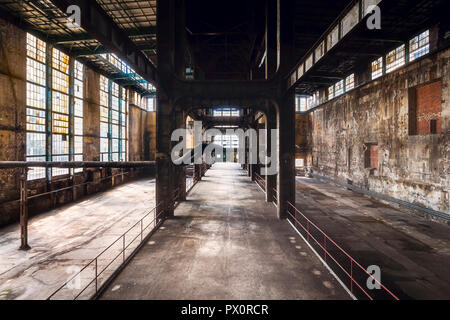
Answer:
(266, 150)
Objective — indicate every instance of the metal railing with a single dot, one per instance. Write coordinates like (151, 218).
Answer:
(260, 181)
(24, 166)
(94, 277)
(344, 264)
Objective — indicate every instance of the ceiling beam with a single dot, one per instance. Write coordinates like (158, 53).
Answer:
(96, 22)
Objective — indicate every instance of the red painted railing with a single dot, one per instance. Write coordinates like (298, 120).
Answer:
(260, 181)
(335, 256)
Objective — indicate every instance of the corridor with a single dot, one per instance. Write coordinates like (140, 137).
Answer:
(225, 242)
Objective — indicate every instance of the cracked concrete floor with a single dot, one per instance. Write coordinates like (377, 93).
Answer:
(412, 252)
(225, 242)
(67, 238)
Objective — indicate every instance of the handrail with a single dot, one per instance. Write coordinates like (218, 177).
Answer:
(24, 166)
(326, 252)
(260, 181)
(76, 164)
(121, 253)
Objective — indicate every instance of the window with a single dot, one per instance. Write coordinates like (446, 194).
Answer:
(320, 51)
(60, 110)
(419, 46)
(425, 109)
(78, 114)
(331, 92)
(333, 38)
(226, 112)
(350, 82)
(309, 62)
(36, 105)
(395, 59)
(350, 20)
(151, 104)
(54, 120)
(377, 68)
(339, 88)
(104, 119)
(113, 121)
(300, 71)
(367, 4)
(301, 103)
(227, 141)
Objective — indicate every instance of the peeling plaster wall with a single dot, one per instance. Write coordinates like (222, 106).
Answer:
(12, 112)
(413, 168)
(142, 131)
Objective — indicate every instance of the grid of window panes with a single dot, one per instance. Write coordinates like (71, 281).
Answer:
(151, 104)
(301, 103)
(331, 92)
(123, 117)
(78, 114)
(60, 110)
(350, 82)
(36, 105)
(377, 68)
(395, 59)
(419, 45)
(227, 141)
(104, 118)
(339, 88)
(115, 122)
(226, 112)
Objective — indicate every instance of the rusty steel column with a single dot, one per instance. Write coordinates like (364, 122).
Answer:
(24, 210)
(271, 180)
(164, 165)
(286, 154)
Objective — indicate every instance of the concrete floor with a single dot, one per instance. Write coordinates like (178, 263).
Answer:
(67, 238)
(225, 243)
(412, 252)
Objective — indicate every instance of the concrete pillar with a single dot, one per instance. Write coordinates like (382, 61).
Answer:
(271, 180)
(286, 153)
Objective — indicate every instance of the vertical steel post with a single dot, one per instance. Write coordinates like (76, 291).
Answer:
(24, 210)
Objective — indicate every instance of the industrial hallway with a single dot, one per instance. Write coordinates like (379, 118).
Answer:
(225, 242)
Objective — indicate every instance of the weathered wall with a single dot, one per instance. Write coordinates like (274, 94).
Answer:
(301, 134)
(12, 112)
(413, 168)
(142, 139)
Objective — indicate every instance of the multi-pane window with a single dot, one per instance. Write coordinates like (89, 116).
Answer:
(60, 110)
(104, 118)
(78, 114)
(226, 112)
(113, 121)
(301, 103)
(419, 46)
(53, 117)
(350, 82)
(377, 68)
(331, 92)
(339, 88)
(395, 59)
(227, 141)
(151, 104)
(36, 105)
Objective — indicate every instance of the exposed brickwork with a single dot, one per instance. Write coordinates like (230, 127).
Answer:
(429, 107)
(413, 168)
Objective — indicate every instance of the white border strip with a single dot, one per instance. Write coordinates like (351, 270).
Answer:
(324, 263)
